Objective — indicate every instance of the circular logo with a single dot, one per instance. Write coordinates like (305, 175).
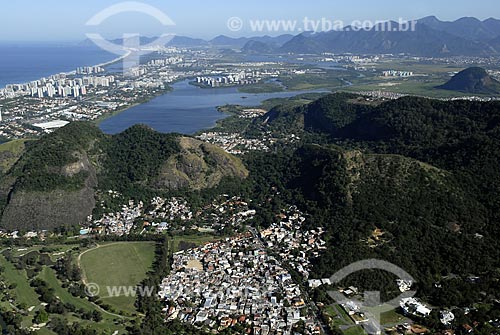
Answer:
(131, 43)
(235, 24)
(371, 299)
(92, 290)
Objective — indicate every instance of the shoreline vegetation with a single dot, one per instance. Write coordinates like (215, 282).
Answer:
(106, 116)
(220, 108)
(330, 81)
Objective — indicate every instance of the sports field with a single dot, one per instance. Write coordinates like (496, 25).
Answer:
(123, 264)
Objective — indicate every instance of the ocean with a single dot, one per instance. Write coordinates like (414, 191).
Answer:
(21, 63)
(187, 109)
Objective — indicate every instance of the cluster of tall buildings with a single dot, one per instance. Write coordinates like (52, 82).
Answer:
(61, 87)
(240, 78)
(89, 70)
(166, 61)
(62, 91)
(394, 73)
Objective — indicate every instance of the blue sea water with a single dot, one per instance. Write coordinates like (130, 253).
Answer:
(187, 109)
(21, 63)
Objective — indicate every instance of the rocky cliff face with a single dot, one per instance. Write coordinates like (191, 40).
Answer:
(42, 210)
(199, 165)
(38, 210)
(55, 180)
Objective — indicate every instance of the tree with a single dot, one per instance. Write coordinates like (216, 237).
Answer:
(41, 316)
(97, 316)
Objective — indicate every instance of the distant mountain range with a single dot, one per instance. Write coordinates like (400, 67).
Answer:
(220, 41)
(225, 41)
(431, 37)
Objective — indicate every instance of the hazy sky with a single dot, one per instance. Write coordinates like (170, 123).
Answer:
(44, 20)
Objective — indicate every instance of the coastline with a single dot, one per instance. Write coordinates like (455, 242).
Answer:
(72, 72)
(262, 98)
(106, 116)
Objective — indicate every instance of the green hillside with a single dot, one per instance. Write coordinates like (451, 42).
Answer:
(55, 180)
(412, 181)
(473, 80)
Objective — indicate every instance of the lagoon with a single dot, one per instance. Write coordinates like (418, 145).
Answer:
(186, 109)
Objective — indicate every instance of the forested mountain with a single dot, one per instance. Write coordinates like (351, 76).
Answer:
(270, 41)
(413, 181)
(55, 180)
(473, 80)
(466, 27)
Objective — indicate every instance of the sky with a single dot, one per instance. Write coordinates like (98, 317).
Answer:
(56, 20)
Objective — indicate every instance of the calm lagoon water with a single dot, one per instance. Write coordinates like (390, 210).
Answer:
(187, 109)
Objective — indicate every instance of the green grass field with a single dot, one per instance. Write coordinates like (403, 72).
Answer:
(417, 67)
(411, 87)
(13, 146)
(56, 250)
(357, 330)
(392, 318)
(337, 321)
(118, 265)
(49, 276)
(328, 80)
(27, 299)
(10, 153)
(25, 294)
(261, 88)
(45, 331)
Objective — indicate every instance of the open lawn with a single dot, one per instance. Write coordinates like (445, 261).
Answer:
(388, 315)
(326, 80)
(54, 251)
(337, 319)
(15, 146)
(25, 294)
(357, 330)
(45, 331)
(392, 318)
(412, 87)
(123, 264)
(27, 299)
(261, 88)
(417, 67)
(49, 276)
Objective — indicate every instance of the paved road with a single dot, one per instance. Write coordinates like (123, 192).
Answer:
(316, 313)
(313, 309)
